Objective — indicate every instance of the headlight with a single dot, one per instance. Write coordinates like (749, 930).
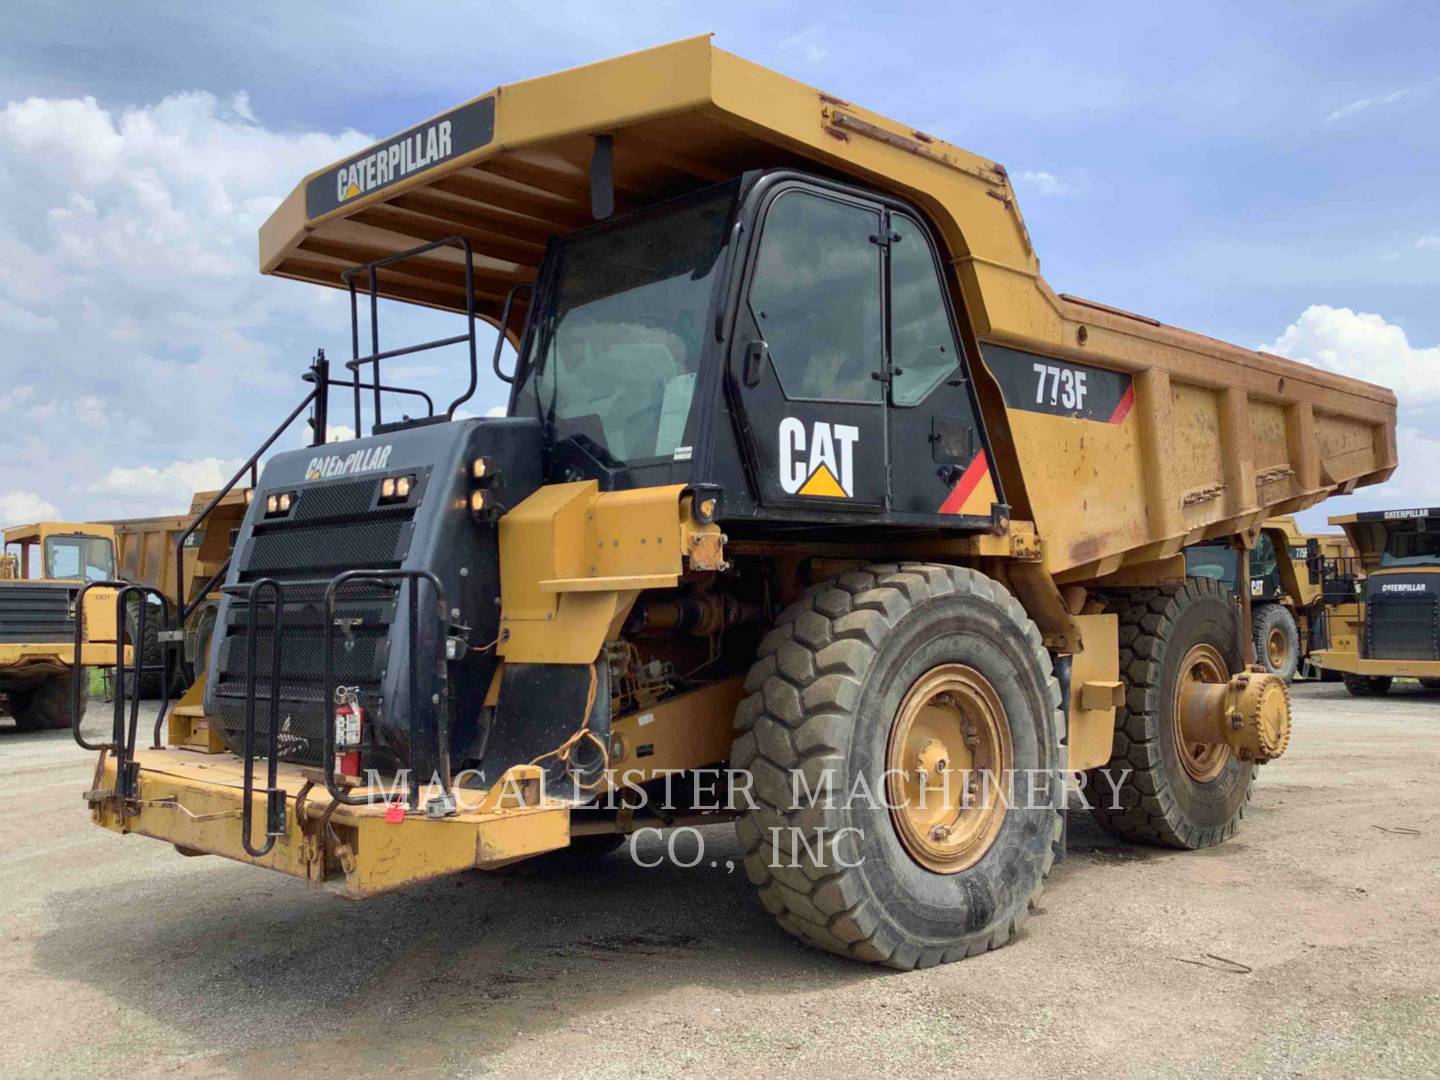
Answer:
(477, 501)
(396, 489)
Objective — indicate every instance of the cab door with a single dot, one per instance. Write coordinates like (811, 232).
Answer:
(808, 361)
(939, 459)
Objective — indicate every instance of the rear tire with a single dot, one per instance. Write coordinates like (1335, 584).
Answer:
(48, 706)
(1277, 640)
(1367, 685)
(152, 656)
(1160, 801)
(826, 694)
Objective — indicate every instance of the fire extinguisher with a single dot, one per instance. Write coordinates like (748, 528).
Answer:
(349, 727)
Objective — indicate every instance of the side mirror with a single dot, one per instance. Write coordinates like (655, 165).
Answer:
(1312, 561)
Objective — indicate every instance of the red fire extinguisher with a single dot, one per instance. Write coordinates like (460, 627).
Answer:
(349, 727)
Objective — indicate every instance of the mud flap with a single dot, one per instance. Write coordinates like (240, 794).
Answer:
(541, 706)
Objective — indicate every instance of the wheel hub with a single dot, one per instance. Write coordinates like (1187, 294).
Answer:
(1216, 715)
(1277, 648)
(1201, 672)
(947, 762)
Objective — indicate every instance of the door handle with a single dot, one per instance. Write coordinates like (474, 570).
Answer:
(756, 353)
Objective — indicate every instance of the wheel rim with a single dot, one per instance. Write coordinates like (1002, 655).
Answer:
(1277, 648)
(948, 757)
(1202, 760)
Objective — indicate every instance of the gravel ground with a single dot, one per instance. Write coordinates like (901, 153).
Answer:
(119, 954)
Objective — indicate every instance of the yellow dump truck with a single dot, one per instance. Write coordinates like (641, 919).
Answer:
(42, 569)
(1382, 618)
(1285, 597)
(813, 507)
(186, 563)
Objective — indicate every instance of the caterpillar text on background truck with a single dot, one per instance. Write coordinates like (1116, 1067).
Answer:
(805, 470)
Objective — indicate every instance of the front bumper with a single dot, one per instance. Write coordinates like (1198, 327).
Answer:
(1351, 664)
(193, 800)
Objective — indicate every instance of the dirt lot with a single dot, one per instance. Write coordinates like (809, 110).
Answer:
(119, 954)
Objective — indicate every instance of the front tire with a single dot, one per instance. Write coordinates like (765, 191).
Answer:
(1169, 792)
(1368, 685)
(831, 691)
(1277, 640)
(48, 706)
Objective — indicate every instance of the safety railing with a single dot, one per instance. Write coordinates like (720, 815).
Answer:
(127, 691)
(274, 794)
(371, 272)
(439, 703)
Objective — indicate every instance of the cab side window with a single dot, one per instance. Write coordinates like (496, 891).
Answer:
(816, 297)
(923, 349)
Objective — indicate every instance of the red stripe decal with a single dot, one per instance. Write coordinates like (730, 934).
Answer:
(1122, 407)
(965, 485)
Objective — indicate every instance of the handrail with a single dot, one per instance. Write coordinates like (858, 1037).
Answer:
(376, 354)
(188, 609)
(122, 735)
(442, 723)
(274, 795)
(500, 336)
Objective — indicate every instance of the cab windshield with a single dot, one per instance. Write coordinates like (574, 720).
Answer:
(1412, 547)
(614, 361)
(91, 558)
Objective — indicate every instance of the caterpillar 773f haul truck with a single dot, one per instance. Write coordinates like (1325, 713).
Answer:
(1382, 617)
(1285, 598)
(805, 469)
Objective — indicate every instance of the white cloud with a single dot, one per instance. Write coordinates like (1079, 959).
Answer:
(1364, 346)
(496, 410)
(1364, 103)
(23, 507)
(1367, 347)
(1430, 241)
(167, 489)
(131, 306)
(1044, 183)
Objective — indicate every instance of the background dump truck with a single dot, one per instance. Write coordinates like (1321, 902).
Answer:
(1285, 598)
(43, 567)
(805, 470)
(147, 550)
(1382, 617)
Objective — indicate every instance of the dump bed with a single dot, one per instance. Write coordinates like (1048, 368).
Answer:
(1122, 439)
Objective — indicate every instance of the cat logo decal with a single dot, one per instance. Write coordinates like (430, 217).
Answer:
(818, 461)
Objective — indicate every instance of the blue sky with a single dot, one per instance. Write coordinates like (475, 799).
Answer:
(1264, 173)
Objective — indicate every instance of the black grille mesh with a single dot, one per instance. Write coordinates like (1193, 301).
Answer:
(35, 613)
(1402, 628)
(331, 529)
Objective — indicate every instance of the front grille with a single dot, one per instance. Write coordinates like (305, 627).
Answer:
(332, 529)
(1402, 628)
(36, 613)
